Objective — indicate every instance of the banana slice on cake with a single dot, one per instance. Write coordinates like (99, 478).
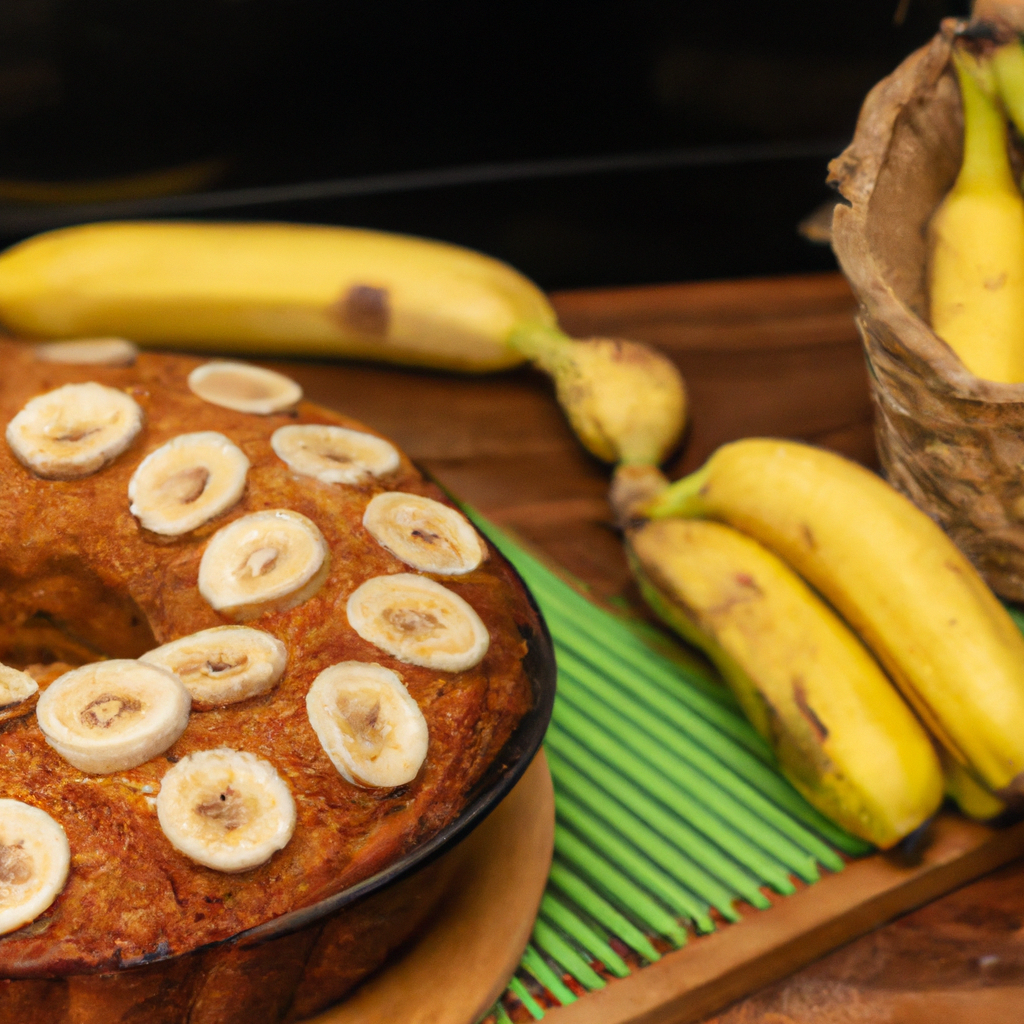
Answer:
(418, 621)
(34, 863)
(187, 482)
(424, 533)
(226, 809)
(267, 561)
(223, 665)
(15, 686)
(244, 388)
(73, 431)
(333, 455)
(368, 725)
(88, 352)
(113, 715)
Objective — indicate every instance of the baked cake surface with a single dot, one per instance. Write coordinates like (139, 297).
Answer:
(80, 579)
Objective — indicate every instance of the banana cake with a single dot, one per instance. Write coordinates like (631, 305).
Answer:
(251, 658)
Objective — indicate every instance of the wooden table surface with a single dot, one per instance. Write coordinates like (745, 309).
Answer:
(771, 357)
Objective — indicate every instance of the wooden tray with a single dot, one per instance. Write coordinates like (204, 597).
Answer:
(456, 970)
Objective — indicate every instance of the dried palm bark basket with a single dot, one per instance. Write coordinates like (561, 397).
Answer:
(954, 444)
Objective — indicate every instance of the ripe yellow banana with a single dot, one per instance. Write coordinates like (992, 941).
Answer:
(283, 289)
(973, 799)
(895, 577)
(976, 240)
(842, 734)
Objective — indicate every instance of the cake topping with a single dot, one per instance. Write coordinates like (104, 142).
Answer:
(244, 388)
(334, 455)
(186, 482)
(34, 863)
(418, 621)
(223, 665)
(272, 560)
(73, 431)
(369, 726)
(113, 715)
(89, 352)
(15, 686)
(226, 809)
(424, 533)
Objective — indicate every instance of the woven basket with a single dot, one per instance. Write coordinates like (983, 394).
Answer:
(952, 443)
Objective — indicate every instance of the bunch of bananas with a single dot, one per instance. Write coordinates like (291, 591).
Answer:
(303, 290)
(976, 236)
(812, 583)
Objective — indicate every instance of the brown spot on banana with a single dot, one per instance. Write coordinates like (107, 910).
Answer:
(818, 727)
(809, 539)
(748, 590)
(365, 309)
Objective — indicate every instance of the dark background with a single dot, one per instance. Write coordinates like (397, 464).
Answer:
(597, 143)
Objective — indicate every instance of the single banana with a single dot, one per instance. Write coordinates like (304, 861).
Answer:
(88, 352)
(371, 729)
(288, 289)
(418, 621)
(223, 665)
(186, 482)
(15, 686)
(334, 455)
(244, 387)
(110, 716)
(895, 577)
(842, 734)
(73, 431)
(626, 402)
(976, 241)
(266, 561)
(34, 862)
(225, 809)
(973, 799)
(424, 533)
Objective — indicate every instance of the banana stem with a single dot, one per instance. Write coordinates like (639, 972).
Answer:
(546, 347)
(986, 163)
(683, 499)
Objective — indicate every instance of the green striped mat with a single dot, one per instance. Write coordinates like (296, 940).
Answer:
(671, 818)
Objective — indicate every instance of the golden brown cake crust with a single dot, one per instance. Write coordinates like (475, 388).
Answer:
(77, 572)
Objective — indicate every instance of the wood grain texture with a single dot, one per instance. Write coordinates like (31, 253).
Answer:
(462, 963)
(777, 357)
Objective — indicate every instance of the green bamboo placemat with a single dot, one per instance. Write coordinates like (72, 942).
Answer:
(671, 816)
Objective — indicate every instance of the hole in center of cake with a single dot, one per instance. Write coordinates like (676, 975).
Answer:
(55, 622)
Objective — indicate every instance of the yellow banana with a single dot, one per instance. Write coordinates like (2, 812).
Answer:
(973, 799)
(842, 733)
(1008, 68)
(976, 240)
(895, 577)
(286, 289)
